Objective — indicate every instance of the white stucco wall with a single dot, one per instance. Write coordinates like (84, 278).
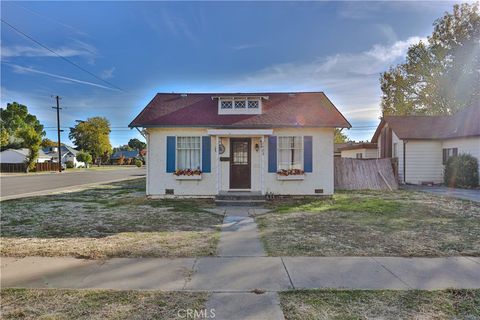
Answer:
(158, 179)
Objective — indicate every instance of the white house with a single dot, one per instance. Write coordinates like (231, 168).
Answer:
(422, 144)
(205, 144)
(362, 150)
(20, 156)
(68, 154)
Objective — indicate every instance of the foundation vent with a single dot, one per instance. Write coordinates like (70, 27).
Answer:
(169, 191)
(318, 190)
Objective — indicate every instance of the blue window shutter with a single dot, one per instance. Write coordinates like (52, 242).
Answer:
(171, 150)
(206, 154)
(272, 154)
(307, 154)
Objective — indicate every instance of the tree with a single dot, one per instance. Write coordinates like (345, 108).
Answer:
(48, 143)
(340, 137)
(440, 76)
(124, 147)
(84, 157)
(32, 139)
(92, 136)
(137, 145)
(14, 118)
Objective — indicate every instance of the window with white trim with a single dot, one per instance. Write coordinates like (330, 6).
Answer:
(290, 153)
(226, 104)
(239, 105)
(188, 153)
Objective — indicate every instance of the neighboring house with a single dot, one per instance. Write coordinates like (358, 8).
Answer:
(362, 150)
(67, 153)
(20, 156)
(125, 157)
(423, 144)
(206, 144)
(336, 149)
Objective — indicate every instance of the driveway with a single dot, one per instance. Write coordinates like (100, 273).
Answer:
(20, 186)
(466, 194)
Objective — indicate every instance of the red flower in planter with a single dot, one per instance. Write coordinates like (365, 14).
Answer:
(188, 172)
(290, 172)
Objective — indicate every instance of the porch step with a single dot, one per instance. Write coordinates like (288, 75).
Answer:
(240, 203)
(239, 195)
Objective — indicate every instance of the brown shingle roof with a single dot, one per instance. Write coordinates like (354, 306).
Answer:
(361, 145)
(464, 123)
(302, 109)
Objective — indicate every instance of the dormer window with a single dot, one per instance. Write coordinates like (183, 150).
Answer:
(239, 105)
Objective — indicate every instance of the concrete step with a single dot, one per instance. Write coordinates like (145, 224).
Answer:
(240, 203)
(239, 195)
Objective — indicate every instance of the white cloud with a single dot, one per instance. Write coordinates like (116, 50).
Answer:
(25, 70)
(78, 48)
(245, 46)
(351, 80)
(107, 74)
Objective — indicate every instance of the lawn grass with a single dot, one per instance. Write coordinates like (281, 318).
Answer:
(380, 304)
(369, 223)
(113, 220)
(97, 304)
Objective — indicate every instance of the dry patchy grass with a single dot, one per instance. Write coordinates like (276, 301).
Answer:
(96, 304)
(381, 304)
(368, 223)
(114, 220)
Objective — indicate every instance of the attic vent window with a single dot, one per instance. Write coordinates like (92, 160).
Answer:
(227, 104)
(239, 104)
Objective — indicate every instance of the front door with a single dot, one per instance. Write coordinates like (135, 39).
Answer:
(240, 164)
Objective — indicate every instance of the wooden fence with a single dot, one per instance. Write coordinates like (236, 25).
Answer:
(22, 167)
(358, 174)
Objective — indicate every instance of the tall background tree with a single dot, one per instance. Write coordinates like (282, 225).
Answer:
(340, 137)
(13, 119)
(31, 139)
(137, 145)
(93, 136)
(441, 75)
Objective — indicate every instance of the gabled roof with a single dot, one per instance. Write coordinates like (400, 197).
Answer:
(25, 152)
(125, 153)
(298, 109)
(464, 123)
(64, 149)
(360, 145)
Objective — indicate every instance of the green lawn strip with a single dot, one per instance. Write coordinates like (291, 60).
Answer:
(381, 304)
(107, 221)
(364, 223)
(97, 304)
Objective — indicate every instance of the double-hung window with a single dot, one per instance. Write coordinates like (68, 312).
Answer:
(290, 153)
(188, 153)
(449, 152)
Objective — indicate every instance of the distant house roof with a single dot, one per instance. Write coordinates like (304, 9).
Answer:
(465, 123)
(25, 152)
(126, 154)
(298, 109)
(64, 150)
(361, 145)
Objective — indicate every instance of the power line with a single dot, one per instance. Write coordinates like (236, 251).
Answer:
(59, 55)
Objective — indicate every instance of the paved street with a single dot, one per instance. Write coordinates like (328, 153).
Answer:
(18, 186)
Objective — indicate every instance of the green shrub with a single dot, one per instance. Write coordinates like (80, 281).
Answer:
(138, 163)
(461, 171)
(84, 157)
(69, 164)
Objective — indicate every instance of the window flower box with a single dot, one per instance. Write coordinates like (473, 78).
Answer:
(188, 174)
(291, 174)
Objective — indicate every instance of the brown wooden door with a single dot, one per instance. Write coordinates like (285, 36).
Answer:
(240, 164)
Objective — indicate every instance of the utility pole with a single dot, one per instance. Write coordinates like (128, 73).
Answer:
(58, 132)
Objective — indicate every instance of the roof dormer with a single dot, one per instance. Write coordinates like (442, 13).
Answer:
(228, 105)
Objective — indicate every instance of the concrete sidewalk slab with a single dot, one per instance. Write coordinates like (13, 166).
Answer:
(141, 273)
(239, 237)
(42, 272)
(476, 259)
(340, 272)
(239, 274)
(434, 273)
(245, 306)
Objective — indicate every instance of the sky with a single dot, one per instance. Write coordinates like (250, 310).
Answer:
(125, 52)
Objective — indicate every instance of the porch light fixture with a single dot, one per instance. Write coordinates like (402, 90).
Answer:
(257, 147)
